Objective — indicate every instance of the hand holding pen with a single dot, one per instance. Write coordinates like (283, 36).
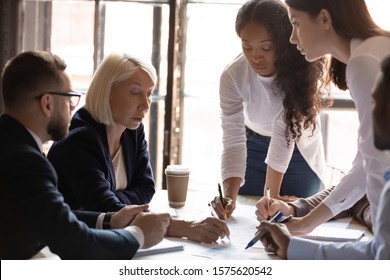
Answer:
(222, 200)
(266, 208)
(268, 193)
(277, 237)
(261, 233)
(223, 206)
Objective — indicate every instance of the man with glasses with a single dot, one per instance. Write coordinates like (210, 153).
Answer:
(38, 102)
(74, 97)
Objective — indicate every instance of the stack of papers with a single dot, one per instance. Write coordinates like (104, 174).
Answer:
(335, 234)
(165, 246)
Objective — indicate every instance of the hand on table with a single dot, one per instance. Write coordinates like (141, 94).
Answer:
(277, 239)
(207, 230)
(154, 227)
(126, 215)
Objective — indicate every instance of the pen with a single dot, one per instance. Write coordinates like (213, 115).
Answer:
(268, 196)
(263, 232)
(220, 194)
(285, 219)
(221, 199)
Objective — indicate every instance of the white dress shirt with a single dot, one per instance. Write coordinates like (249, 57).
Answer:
(379, 248)
(248, 99)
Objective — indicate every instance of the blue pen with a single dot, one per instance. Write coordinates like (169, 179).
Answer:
(263, 232)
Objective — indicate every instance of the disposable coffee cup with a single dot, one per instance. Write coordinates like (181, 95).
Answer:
(177, 184)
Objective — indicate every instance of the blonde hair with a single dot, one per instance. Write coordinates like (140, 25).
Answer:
(113, 69)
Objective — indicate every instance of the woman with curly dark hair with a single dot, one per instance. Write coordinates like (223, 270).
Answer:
(270, 101)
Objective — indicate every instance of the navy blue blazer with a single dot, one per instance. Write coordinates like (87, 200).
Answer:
(33, 213)
(85, 172)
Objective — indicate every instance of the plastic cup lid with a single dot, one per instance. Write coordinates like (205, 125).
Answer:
(177, 169)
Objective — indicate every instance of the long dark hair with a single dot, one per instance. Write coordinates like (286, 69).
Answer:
(358, 24)
(296, 78)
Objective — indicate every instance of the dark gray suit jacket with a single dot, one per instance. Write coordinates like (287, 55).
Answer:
(86, 176)
(33, 213)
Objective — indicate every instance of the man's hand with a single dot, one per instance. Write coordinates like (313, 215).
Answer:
(208, 230)
(126, 215)
(277, 238)
(154, 226)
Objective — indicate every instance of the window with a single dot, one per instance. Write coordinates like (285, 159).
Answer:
(83, 31)
(211, 44)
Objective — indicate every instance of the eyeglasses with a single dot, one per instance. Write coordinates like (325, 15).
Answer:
(74, 97)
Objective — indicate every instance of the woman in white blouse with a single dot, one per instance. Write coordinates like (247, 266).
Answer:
(270, 101)
(286, 246)
(345, 30)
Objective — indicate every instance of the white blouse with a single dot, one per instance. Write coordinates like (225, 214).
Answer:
(247, 99)
(369, 165)
(118, 162)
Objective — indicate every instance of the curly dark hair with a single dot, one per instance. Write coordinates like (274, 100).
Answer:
(296, 78)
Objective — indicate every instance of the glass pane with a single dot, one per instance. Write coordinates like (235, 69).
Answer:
(128, 27)
(211, 45)
(378, 13)
(72, 37)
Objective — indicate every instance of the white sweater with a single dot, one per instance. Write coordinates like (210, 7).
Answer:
(248, 99)
(369, 165)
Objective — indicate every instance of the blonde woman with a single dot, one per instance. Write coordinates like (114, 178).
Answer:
(103, 164)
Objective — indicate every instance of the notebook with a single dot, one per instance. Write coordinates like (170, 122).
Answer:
(165, 246)
(335, 234)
